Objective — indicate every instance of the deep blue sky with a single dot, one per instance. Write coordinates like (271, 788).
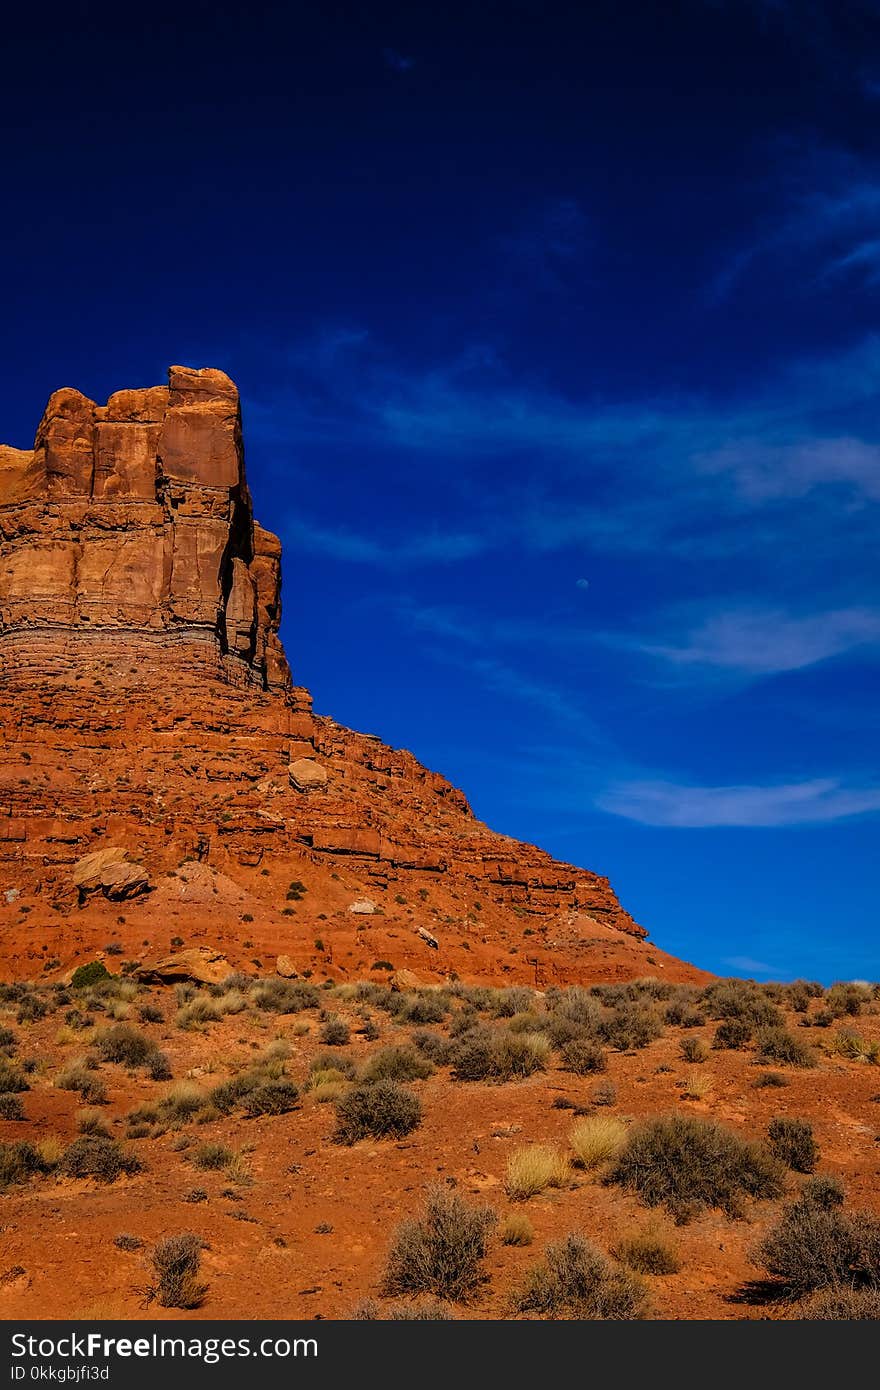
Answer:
(557, 333)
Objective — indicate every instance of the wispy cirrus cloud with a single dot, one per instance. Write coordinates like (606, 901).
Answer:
(759, 640)
(684, 806)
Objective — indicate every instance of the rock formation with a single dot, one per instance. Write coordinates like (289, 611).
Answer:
(148, 717)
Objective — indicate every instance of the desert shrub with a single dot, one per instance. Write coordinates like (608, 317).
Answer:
(377, 1110)
(150, 1013)
(779, 1045)
(95, 1156)
(577, 1281)
(816, 1247)
(577, 1005)
(693, 1049)
(631, 1026)
(582, 1057)
(792, 1142)
(423, 1008)
(596, 1139)
(89, 974)
(91, 1122)
(605, 1093)
(127, 1242)
(396, 1064)
(516, 1229)
(680, 1014)
(274, 1096)
(11, 1107)
(823, 1189)
(201, 1009)
(744, 1000)
(441, 1252)
(856, 1048)
(516, 1000)
(11, 1078)
(335, 1033)
(687, 1164)
(31, 1009)
(77, 1076)
(533, 1168)
(733, 1033)
(433, 1046)
(285, 996)
(333, 1061)
(182, 1102)
(770, 1080)
(846, 997)
(176, 1261)
(159, 1067)
(212, 1156)
(7, 1038)
(649, 1251)
(20, 1161)
(121, 1042)
(499, 1055)
(528, 1022)
(841, 1305)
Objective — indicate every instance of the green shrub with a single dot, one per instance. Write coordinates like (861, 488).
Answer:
(285, 996)
(396, 1064)
(583, 1057)
(11, 1078)
(577, 1281)
(687, 1164)
(335, 1033)
(792, 1142)
(124, 1043)
(275, 1096)
(733, 1033)
(93, 1156)
(20, 1161)
(89, 974)
(176, 1261)
(813, 1246)
(779, 1045)
(441, 1252)
(377, 1110)
(631, 1026)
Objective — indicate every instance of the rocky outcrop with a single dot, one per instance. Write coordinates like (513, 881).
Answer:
(148, 723)
(130, 525)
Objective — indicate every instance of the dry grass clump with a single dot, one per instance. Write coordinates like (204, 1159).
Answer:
(577, 1281)
(855, 1048)
(516, 1229)
(498, 1055)
(597, 1139)
(79, 1076)
(649, 1251)
(688, 1164)
(533, 1168)
(90, 1121)
(176, 1261)
(441, 1252)
(697, 1086)
(377, 1110)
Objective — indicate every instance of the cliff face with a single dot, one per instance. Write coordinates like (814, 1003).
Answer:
(147, 711)
(133, 522)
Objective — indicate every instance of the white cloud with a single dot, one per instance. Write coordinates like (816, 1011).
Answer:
(761, 641)
(681, 806)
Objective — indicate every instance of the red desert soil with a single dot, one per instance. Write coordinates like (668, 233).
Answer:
(165, 786)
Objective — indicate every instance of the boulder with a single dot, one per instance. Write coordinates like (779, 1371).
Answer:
(307, 775)
(199, 963)
(285, 967)
(363, 906)
(111, 872)
(402, 980)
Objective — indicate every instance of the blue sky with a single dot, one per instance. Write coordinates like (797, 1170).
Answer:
(558, 340)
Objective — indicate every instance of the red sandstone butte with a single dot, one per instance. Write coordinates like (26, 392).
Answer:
(148, 711)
